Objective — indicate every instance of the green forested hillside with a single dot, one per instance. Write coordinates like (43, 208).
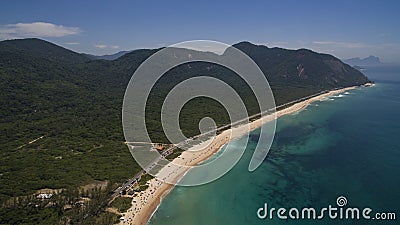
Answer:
(74, 103)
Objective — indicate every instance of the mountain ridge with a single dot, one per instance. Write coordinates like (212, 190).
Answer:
(41, 48)
(75, 102)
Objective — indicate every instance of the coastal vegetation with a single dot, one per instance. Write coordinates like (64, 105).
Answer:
(121, 204)
(61, 120)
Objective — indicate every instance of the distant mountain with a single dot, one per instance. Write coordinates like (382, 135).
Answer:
(368, 61)
(108, 57)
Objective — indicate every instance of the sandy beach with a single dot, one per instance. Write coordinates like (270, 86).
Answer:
(146, 202)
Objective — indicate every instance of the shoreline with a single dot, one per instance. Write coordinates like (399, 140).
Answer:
(146, 202)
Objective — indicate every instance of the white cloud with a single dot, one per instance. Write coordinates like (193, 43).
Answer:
(103, 46)
(100, 46)
(36, 29)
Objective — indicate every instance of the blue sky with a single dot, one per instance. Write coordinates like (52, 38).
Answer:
(343, 28)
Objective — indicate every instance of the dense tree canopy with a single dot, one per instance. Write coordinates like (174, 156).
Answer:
(74, 103)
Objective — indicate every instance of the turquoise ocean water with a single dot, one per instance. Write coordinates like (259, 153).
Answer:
(347, 145)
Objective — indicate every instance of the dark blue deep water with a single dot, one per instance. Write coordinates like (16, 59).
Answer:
(347, 145)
